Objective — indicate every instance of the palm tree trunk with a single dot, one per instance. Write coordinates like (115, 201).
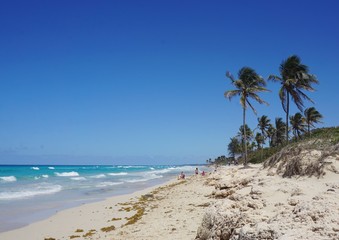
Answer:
(287, 113)
(245, 138)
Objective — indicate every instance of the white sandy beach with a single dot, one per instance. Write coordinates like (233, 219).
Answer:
(172, 203)
(254, 201)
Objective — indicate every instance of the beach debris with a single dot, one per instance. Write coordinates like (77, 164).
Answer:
(108, 229)
(90, 233)
(74, 236)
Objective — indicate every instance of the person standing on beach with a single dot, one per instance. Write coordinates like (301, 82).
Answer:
(196, 171)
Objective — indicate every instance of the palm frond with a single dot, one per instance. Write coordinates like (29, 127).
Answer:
(231, 93)
(304, 96)
(296, 97)
(257, 98)
(230, 76)
(253, 109)
(274, 78)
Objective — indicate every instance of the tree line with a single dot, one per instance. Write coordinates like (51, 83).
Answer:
(294, 80)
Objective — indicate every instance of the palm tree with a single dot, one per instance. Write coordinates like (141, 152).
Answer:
(263, 125)
(270, 134)
(234, 147)
(297, 125)
(280, 128)
(294, 77)
(248, 134)
(311, 116)
(248, 84)
(260, 140)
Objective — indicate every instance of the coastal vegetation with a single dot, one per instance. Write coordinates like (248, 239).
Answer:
(317, 139)
(269, 136)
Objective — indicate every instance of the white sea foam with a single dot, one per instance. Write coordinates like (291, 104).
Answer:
(136, 180)
(118, 174)
(99, 176)
(150, 176)
(107, 184)
(78, 178)
(130, 166)
(146, 177)
(8, 179)
(35, 168)
(182, 169)
(90, 167)
(124, 166)
(39, 190)
(67, 174)
(51, 167)
(42, 176)
(166, 170)
(151, 168)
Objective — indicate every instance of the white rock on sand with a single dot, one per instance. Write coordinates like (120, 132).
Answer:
(262, 206)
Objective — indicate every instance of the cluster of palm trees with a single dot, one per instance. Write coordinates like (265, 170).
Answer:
(294, 79)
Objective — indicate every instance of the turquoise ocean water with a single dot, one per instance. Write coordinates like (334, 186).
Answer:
(31, 193)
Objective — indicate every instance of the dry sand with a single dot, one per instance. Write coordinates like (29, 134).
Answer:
(261, 203)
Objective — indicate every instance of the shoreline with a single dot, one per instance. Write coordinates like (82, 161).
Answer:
(52, 208)
(243, 202)
(76, 186)
(78, 221)
(34, 228)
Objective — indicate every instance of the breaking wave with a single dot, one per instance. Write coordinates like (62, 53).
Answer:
(27, 193)
(8, 179)
(99, 176)
(107, 184)
(118, 174)
(67, 174)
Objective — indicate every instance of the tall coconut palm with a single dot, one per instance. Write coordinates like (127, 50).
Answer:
(311, 116)
(260, 140)
(248, 84)
(234, 147)
(294, 78)
(297, 125)
(248, 134)
(263, 125)
(246, 138)
(280, 128)
(270, 134)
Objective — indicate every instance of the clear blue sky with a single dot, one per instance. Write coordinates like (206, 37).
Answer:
(142, 82)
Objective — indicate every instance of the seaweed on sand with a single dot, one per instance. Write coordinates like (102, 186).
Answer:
(108, 229)
(89, 233)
